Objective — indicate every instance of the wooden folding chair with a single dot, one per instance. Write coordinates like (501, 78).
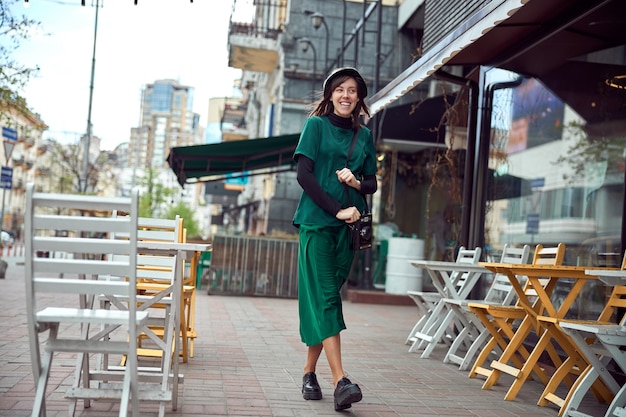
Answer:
(429, 303)
(171, 230)
(74, 239)
(473, 334)
(501, 321)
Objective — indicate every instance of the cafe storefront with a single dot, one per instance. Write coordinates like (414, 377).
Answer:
(534, 135)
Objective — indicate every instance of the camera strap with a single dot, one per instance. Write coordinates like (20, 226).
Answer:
(354, 138)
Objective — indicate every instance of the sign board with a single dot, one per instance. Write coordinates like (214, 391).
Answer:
(6, 178)
(537, 183)
(240, 178)
(532, 224)
(10, 139)
(9, 134)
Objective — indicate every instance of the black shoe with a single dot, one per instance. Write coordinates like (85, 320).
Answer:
(346, 393)
(311, 390)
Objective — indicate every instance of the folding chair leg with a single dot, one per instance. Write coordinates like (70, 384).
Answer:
(39, 406)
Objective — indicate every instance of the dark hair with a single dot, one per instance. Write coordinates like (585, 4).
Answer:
(324, 106)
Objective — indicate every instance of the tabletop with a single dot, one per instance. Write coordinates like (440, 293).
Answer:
(184, 249)
(449, 286)
(448, 266)
(536, 273)
(609, 277)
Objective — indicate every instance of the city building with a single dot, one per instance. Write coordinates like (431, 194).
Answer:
(21, 156)
(167, 121)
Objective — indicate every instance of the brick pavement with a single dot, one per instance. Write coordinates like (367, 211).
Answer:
(248, 362)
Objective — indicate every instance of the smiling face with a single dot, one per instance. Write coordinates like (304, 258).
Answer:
(345, 98)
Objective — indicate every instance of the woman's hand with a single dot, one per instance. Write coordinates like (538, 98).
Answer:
(349, 215)
(346, 176)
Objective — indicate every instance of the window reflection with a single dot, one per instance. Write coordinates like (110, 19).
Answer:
(559, 146)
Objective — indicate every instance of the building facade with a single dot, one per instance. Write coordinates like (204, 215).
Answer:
(23, 158)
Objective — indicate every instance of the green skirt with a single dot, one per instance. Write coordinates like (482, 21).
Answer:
(324, 261)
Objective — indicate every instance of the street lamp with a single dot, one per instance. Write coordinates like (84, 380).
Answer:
(85, 168)
(318, 20)
(304, 46)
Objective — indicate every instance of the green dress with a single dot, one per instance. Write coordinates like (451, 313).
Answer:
(324, 257)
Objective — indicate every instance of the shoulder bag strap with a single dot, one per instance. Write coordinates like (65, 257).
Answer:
(354, 138)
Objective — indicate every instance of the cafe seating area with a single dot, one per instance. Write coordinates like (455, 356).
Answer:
(533, 334)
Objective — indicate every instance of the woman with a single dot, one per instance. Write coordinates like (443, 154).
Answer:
(324, 257)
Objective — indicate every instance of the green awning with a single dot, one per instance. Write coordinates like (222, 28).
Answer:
(202, 163)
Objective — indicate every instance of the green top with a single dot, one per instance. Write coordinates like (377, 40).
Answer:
(328, 145)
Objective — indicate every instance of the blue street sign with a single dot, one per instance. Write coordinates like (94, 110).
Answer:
(537, 183)
(532, 224)
(6, 178)
(9, 134)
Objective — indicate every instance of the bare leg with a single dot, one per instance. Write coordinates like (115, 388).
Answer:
(332, 346)
(312, 356)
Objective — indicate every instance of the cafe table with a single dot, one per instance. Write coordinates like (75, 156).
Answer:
(452, 280)
(543, 279)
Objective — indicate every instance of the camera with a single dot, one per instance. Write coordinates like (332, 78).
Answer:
(361, 233)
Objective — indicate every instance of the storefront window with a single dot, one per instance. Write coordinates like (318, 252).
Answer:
(560, 145)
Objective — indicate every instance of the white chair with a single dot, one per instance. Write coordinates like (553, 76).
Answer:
(429, 303)
(61, 290)
(158, 294)
(472, 334)
(599, 344)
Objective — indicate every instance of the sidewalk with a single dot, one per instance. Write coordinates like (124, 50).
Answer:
(248, 362)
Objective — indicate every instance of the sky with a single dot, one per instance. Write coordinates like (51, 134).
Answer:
(135, 45)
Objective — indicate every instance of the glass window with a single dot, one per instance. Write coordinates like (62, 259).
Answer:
(564, 158)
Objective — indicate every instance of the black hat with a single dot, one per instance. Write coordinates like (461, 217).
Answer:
(350, 72)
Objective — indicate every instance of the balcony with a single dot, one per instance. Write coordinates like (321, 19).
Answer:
(42, 149)
(28, 142)
(42, 172)
(252, 48)
(233, 124)
(28, 165)
(18, 160)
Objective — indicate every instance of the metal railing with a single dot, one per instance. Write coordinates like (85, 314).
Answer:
(247, 265)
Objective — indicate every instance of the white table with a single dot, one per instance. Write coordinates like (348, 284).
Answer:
(452, 280)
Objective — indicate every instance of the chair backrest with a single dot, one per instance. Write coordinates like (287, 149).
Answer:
(552, 255)
(501, 289)
(471, 256)
(67, 236)
(162, 230)
(156, 230)
(467, 256)
(615, 308)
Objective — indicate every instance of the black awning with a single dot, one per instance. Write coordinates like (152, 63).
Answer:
(203, 163)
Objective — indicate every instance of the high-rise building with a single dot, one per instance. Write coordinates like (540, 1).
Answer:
(167, 121)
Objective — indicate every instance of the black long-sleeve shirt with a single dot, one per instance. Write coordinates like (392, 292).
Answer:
(309, 184)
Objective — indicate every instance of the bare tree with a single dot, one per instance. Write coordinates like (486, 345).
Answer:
(13, 75)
